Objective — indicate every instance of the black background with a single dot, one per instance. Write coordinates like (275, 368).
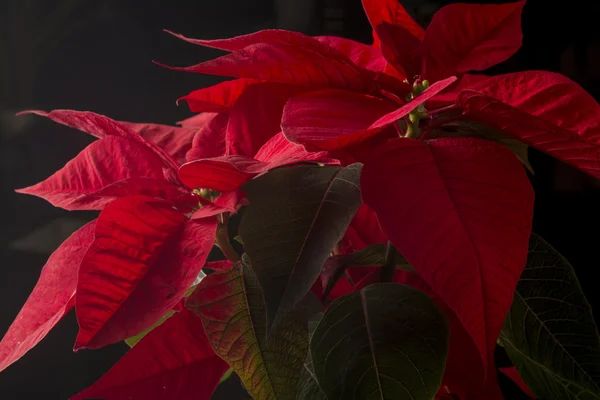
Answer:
(96, 55)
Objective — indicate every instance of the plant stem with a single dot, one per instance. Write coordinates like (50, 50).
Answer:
(389, 266)
(223, 243)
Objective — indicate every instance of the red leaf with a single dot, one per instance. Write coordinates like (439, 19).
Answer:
(403, 50)
(223, 174)
(333, 119)
(163, 189)
(364, 230)
(237, 43)
(514, 376)
(471, 37)
(102, 163)
(544, 110)
(173, 361)
(227, 202)
(302, 61)
(256, 117)
(361, 54)
(218, 265)
(392, 12)
(50, 300)
(210, 138)
(228, 173)
(280, 151)
(174, 140)
(101, 126)
(465, 226)
(197, 121)
(145, 256)
(219, 97)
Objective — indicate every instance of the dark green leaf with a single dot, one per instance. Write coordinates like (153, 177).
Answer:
(373, 255)
(309, 388)
(388, 341)
(231, 307)
(550, 334)
(295, 218)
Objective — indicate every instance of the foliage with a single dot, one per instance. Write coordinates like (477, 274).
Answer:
(385, 243)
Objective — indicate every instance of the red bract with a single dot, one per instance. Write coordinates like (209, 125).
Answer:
(174, 361)
(51, 298)
(144, 257)
(464, 227)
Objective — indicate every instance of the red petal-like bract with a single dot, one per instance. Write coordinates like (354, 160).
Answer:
(176, 141)
(293, 58)
(471, 37)
(210, 138)
(51, 298)
(231, 172)
(545, 110)
(392, 12)
(256, 117)
(226, 202)
(460, 211)
(102, 126)
(173, 361)
(403, 50)
(102, 163)
(333, 119)
(145, 256)
(219, 97)
(363, 55)
(514, 376)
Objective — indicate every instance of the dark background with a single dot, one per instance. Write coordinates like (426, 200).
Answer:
(96, 55)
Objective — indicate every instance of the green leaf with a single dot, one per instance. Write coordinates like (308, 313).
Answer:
(231, 306)
(295, 218)
(308, 388)
(550, 334)
(132, 341)
(373, 255)
(388, 341)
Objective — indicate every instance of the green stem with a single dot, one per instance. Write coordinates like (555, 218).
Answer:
(223, 243)
(389, 266)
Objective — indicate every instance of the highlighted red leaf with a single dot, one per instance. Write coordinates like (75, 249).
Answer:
(173, 361)
(209, 141)
(229, 173)
(102, 163)
(101, 126)
(333, 119)
(471, 37)
(302, 61)
(219, 97)
(176, 141)
(361, 54)
(545, 110)
(392, 12)
(145, 256)
(256, 117)
(465, 226)
(226, 202)
(51, 298)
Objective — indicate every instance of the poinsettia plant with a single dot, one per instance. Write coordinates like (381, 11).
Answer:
(372, 211)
